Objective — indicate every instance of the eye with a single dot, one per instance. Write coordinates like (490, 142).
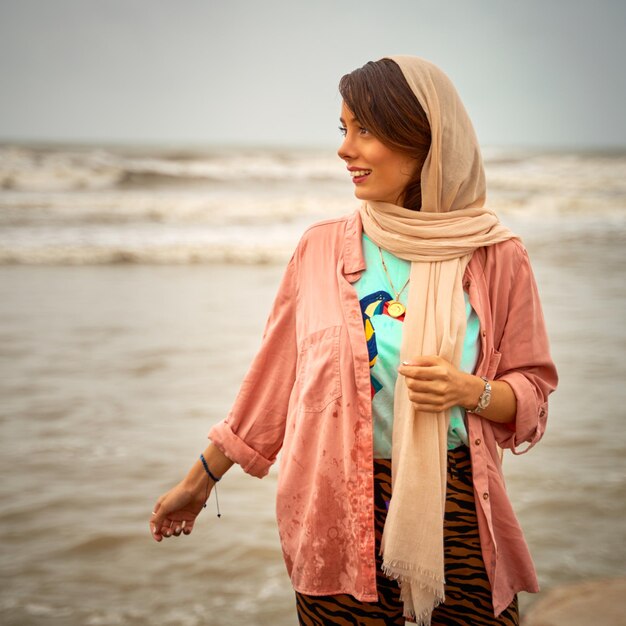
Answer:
(363, 131)
(343, 130)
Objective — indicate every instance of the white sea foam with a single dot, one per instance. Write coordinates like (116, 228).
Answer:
(48, 169)
(103, 205)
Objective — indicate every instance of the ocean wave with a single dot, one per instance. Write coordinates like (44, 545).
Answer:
(173, 255)
(258, 245)
(569, 174)
(118, 207)
(26, 168)
(92, 246)
(28, 210)
(94, 205)
(31, 169)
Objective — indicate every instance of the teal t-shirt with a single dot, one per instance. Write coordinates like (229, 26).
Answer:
(384, 333)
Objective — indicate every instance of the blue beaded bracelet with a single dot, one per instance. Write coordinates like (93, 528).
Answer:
(207, 470)
(215, 480)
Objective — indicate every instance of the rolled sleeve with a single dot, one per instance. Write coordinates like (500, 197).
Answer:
(530, 419)
(526, 364)
(236, 449)
(252, 434)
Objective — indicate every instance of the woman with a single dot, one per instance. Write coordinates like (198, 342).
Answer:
(406, 346)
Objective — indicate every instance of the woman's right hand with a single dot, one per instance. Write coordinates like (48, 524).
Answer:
(176, 510)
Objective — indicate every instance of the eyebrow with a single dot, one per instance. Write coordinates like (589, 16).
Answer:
(354, 119)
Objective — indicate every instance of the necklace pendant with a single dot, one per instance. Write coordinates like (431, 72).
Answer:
(395, 308)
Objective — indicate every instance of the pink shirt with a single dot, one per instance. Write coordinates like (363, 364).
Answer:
(307, 391)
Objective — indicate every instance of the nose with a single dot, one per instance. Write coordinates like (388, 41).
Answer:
(346, 150)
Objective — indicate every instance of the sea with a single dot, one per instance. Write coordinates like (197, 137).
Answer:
(135, 283)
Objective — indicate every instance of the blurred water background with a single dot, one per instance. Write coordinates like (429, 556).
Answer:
(134, 287)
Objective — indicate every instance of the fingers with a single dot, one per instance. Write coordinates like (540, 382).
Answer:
(422, 372)
(428, 397)
(434, 388)
(187, 527)
(165, 527)
(161, 525)
(415, 372)
(427, 403)
(156, 522)
(177, 528)
(425, 360)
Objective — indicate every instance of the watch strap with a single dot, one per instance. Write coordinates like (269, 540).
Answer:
(485, 397)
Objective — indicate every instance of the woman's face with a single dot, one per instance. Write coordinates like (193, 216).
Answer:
(378, 173)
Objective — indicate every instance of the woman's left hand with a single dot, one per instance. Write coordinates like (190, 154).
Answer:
(435, 384)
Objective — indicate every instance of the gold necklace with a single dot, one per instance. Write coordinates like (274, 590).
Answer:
(395, 308)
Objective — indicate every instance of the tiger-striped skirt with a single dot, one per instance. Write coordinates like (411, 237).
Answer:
(467, 588)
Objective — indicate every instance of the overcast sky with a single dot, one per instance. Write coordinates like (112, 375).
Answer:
(257, 72)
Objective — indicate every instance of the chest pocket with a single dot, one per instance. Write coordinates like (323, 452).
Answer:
(318, 375)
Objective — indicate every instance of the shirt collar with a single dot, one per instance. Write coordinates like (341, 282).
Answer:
(353, 258)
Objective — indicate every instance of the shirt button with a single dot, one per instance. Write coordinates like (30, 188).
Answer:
(477, 442)
(485, 496)
(542, 413)
(484, 333)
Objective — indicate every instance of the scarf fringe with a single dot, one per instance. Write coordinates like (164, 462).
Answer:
(412, 575)
(424, 618)
(402, 571)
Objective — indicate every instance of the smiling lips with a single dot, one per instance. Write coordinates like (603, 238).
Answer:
(359, 176)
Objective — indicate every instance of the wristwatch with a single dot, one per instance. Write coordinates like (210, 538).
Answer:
(485, 397)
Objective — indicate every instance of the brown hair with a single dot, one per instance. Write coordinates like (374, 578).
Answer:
(383, 102)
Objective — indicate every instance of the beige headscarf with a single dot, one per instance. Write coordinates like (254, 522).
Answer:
(439, 240)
